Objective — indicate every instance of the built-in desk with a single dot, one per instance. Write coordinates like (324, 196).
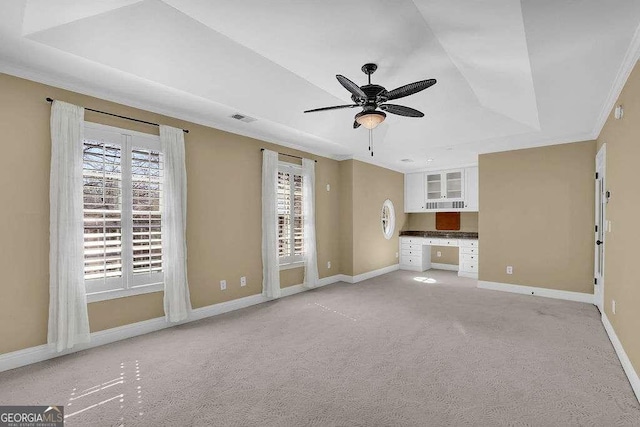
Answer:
(415, 253)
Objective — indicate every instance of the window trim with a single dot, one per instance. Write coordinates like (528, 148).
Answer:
(292, 261)
(129, 285)
(391, 220)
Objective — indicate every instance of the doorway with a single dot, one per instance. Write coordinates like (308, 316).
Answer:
(601, 225)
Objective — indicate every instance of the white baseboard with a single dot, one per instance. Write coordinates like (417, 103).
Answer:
(632, 375)
(468, 275)
(296, 289)
(449, 267)
(411, 267)
(40, 353)
(370, 274)
(541, 292)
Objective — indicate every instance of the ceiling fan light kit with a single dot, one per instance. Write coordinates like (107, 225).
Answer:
(372, 97)
(370, 119)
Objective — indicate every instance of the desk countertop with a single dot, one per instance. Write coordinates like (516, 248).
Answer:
(442, 234)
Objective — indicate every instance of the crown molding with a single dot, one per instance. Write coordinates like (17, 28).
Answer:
(50, 80)
(628, 63)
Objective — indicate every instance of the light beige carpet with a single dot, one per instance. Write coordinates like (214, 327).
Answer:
(390, 351)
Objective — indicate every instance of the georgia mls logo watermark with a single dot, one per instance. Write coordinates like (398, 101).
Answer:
(31, 416)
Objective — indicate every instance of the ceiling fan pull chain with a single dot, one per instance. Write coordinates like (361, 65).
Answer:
(371, 141)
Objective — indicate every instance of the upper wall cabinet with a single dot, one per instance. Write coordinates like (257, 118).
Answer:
(414, 192)
(447, 185)
(449, 190)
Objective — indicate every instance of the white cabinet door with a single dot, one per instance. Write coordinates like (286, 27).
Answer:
(414, 192)
(454, 185)
(434, 186)
(472, 189)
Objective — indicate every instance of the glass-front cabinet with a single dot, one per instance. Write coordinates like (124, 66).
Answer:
(445, 185)
(454, 185)
(434, 186)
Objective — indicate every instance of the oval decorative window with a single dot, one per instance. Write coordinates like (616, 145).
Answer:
(388, 219)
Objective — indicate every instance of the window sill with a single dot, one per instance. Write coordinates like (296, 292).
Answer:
(122, 293)
(292, 265)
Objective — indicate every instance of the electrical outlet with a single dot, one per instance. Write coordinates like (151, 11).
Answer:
(243, 281)
(328, 264)
(396, 254)
(439, 254)
(613, 306)
(328, 187)
(223, 285)
(509, 269)
(608, 226)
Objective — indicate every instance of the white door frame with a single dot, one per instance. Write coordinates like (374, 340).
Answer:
(601, 226)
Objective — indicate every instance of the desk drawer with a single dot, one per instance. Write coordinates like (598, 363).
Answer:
(436, 242)
(467, 243)
(472, 251)
(442, 242)
(411, 260)
(411, 252)
(412, 240)
(469, 267)
(411, 247)
(470, 258)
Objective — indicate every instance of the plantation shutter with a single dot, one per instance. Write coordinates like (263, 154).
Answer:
(284, 214)
(290, 218)
(146, 180)
(102, 197)
(297, 226)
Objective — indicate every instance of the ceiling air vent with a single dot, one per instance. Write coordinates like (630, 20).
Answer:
(243, 118)
(407, 160)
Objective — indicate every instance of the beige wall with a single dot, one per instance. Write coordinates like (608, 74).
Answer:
(622, 138)
(372, 185)
(427, 221)
(224, 219)
(538, 216)
(346, 216)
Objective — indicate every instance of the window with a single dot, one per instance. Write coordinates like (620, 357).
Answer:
(388, 219)
(122, 195)
(290, 221)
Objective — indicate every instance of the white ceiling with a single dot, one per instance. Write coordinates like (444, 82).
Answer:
(511, 74)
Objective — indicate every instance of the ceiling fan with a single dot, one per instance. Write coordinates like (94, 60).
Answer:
(372, 97)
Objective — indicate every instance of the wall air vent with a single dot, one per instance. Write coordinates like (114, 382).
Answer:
(445, 205)
(243, 118)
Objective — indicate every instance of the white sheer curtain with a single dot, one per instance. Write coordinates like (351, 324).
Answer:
(270, 262)
(177, 302)
(309, 215)
(68, 318)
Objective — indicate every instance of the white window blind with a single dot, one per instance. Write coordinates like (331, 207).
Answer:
(290, 219)
(122, 189)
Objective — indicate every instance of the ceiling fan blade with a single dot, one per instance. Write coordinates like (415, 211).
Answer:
(401, 110)
(356, 125)
(336, 107)
(410, 89)
(351, 87)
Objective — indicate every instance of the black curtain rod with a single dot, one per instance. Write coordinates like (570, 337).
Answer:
(122, 117)
(289, 155)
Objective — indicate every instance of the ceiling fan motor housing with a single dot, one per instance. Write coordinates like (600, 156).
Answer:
(375, 93)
